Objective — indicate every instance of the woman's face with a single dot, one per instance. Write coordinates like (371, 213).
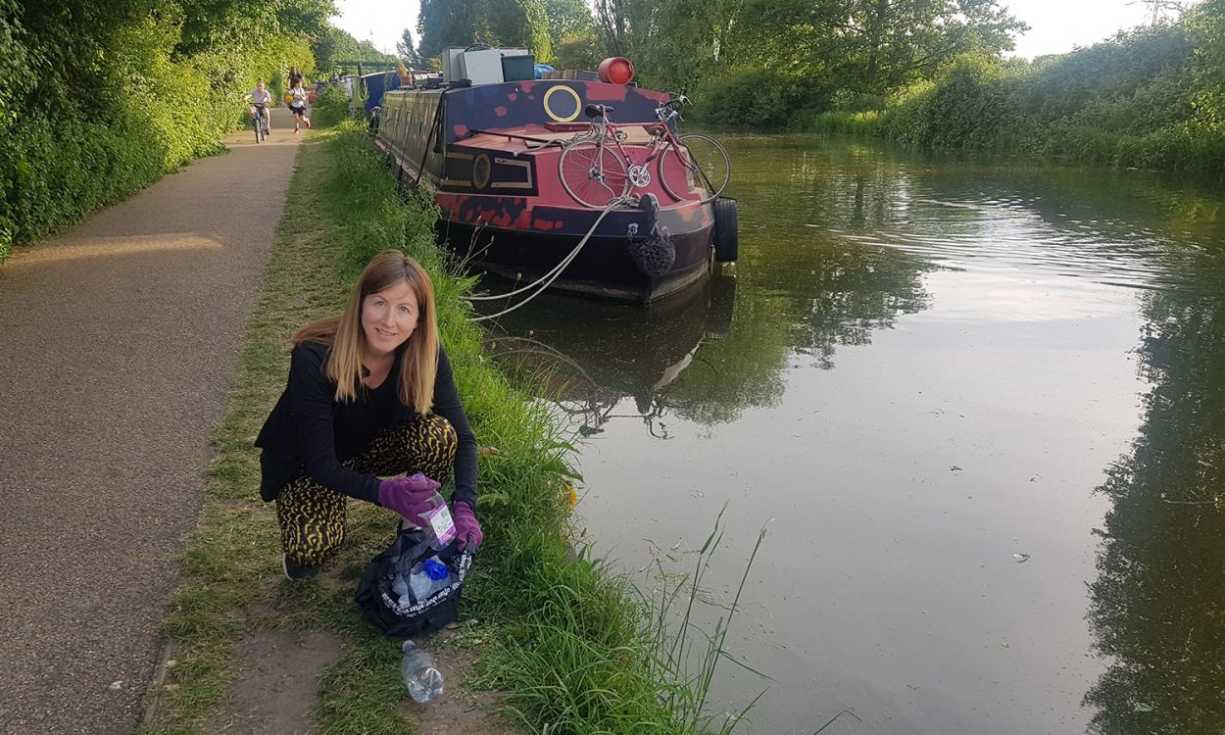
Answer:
(389, 318)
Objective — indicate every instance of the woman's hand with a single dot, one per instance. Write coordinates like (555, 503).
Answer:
(467, 529)
(411, 497)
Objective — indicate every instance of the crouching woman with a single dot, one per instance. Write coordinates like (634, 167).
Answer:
(370, 395)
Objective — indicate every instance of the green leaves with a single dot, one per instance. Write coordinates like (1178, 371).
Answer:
(336, 50)
(523, 23)
(99, 99)
(1144, 99)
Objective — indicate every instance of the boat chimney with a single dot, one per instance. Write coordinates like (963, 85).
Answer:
(616, 70)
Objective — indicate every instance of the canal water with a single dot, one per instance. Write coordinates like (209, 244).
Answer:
(980, 412)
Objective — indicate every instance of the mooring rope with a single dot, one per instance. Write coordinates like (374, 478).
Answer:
(547, 279)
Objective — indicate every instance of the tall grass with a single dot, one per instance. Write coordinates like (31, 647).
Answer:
(843, 123)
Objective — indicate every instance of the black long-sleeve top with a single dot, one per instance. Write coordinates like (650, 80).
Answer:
(310, 430)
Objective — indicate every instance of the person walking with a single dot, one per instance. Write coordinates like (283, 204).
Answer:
(370, 395)
(297, 105)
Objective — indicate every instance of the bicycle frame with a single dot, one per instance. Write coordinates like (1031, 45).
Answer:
(661, 135)
(609, 167)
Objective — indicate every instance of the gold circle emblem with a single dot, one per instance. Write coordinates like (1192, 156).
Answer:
(481, 170)
(548, 108)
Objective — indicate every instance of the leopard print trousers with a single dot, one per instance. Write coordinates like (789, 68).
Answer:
(314, 518)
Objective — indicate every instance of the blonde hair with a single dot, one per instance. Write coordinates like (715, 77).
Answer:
(346, 339)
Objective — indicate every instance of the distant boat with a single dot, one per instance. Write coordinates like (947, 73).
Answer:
(491, 154)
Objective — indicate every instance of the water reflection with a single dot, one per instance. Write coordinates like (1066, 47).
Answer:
(836, 291)
(1158, 603)
(973, 329)
(692, 356)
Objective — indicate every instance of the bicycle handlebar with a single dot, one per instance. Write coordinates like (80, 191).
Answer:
(671, 109)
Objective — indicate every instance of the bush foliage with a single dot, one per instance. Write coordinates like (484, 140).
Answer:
(751, 98)
(331, 107)
(1151, 98)
(99, 99)
(1142, 99)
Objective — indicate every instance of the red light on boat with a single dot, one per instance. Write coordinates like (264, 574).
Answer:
(616, 70)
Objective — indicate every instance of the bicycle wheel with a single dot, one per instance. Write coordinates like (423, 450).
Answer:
(259, 128)
(697, 172)
(593, 174)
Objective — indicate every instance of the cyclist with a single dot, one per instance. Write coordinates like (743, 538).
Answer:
(260, 99)
(298, 105)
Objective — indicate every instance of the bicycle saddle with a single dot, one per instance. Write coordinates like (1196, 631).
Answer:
(597, 110)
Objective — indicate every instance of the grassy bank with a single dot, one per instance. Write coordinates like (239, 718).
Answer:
(1153, 98)
(841, 123)
(574, 647)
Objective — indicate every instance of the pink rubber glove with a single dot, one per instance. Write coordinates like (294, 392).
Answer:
(409, 496)
(467, 529)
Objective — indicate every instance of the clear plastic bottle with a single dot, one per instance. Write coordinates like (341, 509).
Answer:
(440, 527)
(421, 676)
(427, 578)
(419, 582)
(400, 587)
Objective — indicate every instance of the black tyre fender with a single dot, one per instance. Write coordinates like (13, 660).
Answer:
(727, 230)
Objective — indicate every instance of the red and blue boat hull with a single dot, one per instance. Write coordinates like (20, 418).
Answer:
(490, 156)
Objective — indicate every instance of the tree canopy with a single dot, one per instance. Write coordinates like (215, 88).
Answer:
(864, 46)
(100, 97)
(518, 23)
(335, 48)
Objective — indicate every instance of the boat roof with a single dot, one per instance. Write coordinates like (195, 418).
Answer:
(515, 106)
(532, 138)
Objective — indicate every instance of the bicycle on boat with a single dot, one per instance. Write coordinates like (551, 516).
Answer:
(596, 168)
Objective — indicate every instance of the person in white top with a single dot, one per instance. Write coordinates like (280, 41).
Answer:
(298, 106)
(261, 99)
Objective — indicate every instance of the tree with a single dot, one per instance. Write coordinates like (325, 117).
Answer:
(1158, 9)
(408, 50)
(579, 51)
(460, 23)
(869, 46)
(213, 24)
(672, 42)
(568, 18)
(336, 49)
(444, 23)
(1156, 604)
(1207, 24)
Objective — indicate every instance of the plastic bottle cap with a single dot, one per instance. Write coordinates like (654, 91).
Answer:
(435, 569)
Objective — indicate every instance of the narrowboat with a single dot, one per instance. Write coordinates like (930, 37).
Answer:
(585, 184)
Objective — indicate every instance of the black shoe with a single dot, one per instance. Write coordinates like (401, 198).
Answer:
(297, 572)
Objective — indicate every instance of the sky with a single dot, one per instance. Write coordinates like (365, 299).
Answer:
(1056, 26)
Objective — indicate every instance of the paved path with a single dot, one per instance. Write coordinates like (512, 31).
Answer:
(117, 344)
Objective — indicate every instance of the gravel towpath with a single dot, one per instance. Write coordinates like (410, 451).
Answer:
(117, 343)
